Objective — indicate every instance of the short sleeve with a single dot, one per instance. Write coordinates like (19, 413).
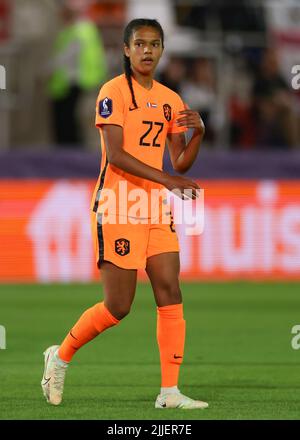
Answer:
(109, 106)
(178, 105)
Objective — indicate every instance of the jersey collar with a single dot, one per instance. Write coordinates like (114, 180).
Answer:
(138, 85)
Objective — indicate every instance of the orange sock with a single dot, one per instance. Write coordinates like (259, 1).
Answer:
(92, 322)
(170, 339)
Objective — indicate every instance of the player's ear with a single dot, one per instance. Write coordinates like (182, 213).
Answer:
(126, 50)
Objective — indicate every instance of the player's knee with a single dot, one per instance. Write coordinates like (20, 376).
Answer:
(123, 312)
(119, 311)
(169, 294)
(175, 295)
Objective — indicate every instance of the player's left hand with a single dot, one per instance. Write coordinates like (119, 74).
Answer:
(190, 119)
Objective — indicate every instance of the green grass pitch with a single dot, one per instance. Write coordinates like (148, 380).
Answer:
(238, 354)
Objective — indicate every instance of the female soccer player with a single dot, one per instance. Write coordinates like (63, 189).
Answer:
(135, 114)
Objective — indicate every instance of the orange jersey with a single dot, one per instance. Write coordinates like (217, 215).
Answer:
(145, 129)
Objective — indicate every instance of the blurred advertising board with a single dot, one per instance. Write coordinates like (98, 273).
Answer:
(251, 232)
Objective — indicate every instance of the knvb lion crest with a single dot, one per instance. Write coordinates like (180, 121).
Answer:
(122, 246)
(167, 112)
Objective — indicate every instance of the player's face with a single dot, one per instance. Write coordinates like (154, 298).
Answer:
(145, 50)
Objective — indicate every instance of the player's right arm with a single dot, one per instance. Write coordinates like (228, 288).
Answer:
(119, 158)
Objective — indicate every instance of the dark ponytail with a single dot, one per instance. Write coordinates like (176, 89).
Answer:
(132, 26)
(127, 70)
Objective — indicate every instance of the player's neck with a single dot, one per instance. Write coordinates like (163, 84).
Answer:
(143, 80)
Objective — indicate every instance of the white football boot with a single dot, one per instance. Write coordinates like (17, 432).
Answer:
(178, 400)
(54, 376)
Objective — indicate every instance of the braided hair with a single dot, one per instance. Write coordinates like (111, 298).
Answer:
(132, 26)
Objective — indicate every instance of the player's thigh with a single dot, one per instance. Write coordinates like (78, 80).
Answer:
(119, 287)
(119, 241)
(163, 272)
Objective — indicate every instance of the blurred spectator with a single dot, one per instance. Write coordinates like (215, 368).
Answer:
(173, 74)
(241, 15)
(191, 15)
(78, 67)
(242, 124)
(5, 12)
(273, 105)
(241, 120)
(224, 15)
(107, 12)
(199, 91)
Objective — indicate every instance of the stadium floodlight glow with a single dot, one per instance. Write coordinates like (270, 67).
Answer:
(2, 78)
(2, 338)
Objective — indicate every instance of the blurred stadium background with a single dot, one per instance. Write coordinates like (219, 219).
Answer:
(238, 64)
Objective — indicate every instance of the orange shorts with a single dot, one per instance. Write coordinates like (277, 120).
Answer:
(129, 245)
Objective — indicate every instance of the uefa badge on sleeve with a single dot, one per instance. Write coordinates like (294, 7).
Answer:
(105, 107)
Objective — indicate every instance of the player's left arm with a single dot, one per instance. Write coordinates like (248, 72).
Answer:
(183, 155)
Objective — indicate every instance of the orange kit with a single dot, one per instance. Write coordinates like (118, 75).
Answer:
(131, 218)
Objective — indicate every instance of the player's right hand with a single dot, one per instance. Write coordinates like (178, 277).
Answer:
(182, 187)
